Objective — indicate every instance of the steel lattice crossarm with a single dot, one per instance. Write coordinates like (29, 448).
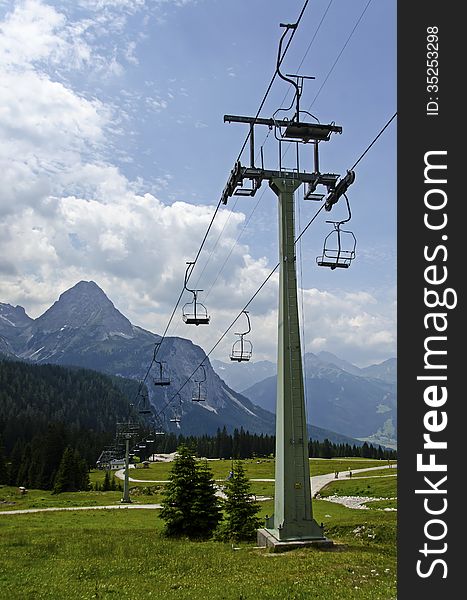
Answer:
(288, 131)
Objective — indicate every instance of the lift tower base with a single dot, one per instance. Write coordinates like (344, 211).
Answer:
(265, 539)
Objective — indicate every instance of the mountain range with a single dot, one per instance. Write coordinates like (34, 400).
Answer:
(362, 402)
(83, 328)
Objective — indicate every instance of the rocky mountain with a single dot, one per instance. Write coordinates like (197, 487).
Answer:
(362, 405)
(83, 328)
(386, 371)
(345, 365)
(13, 319)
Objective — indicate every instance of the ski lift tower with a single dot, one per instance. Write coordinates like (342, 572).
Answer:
(126, 431)
(292, 524)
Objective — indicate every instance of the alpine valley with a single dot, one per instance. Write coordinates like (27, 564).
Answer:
(84, 329)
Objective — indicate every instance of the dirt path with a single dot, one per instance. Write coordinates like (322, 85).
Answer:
(317, 483)
(55, 509)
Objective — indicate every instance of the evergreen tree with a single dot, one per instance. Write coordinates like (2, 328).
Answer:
(205, 503)
(177, 505)
(189, 507)
(241, 520)
(65, 478)
(82, 473)
(23, 471)
(72, 474)
(106, 485)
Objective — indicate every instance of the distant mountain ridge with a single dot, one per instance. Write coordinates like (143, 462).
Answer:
(362, 402)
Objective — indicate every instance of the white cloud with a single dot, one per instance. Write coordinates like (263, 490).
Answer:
(69, 213)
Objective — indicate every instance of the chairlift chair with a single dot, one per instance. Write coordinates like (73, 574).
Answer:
(177, 416)
(242, 349)
(161, 379)
(144, 409)
(194, 313)
(199, 395)
(334, 255)
(339, 245)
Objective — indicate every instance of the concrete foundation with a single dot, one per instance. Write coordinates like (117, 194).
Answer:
(267, 540)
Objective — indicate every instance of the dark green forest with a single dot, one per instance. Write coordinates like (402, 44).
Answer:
(52, 417)
(44, 409)
(241, 444)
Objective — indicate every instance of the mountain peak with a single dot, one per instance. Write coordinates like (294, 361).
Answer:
(85, 305)
(85, 287)
(14, 316)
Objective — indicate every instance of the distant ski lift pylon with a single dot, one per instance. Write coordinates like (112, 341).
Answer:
(162, 379)
(194, 313)
(242, 349)
(199, 395)
(339, 245)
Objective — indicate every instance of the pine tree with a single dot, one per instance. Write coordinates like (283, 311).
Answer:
(106, 485)
(189, 507)
(82, 473)
(241, 520)
(65, 478)
(177, 505)
(72, 474)
(205, 503)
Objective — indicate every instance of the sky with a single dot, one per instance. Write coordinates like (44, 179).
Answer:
(114, 155)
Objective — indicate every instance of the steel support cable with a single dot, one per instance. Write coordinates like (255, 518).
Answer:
(235, 243)
(159, 342)
(374, 141)
(275, 268)
(341, 52)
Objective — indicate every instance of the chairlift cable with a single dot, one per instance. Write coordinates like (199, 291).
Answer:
(245, 225)
(374, 141)
(341, 52)
(235, 320)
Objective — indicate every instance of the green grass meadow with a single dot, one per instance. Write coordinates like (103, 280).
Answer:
(122, 554)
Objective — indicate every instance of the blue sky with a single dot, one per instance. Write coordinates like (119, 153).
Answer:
(114, 154)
